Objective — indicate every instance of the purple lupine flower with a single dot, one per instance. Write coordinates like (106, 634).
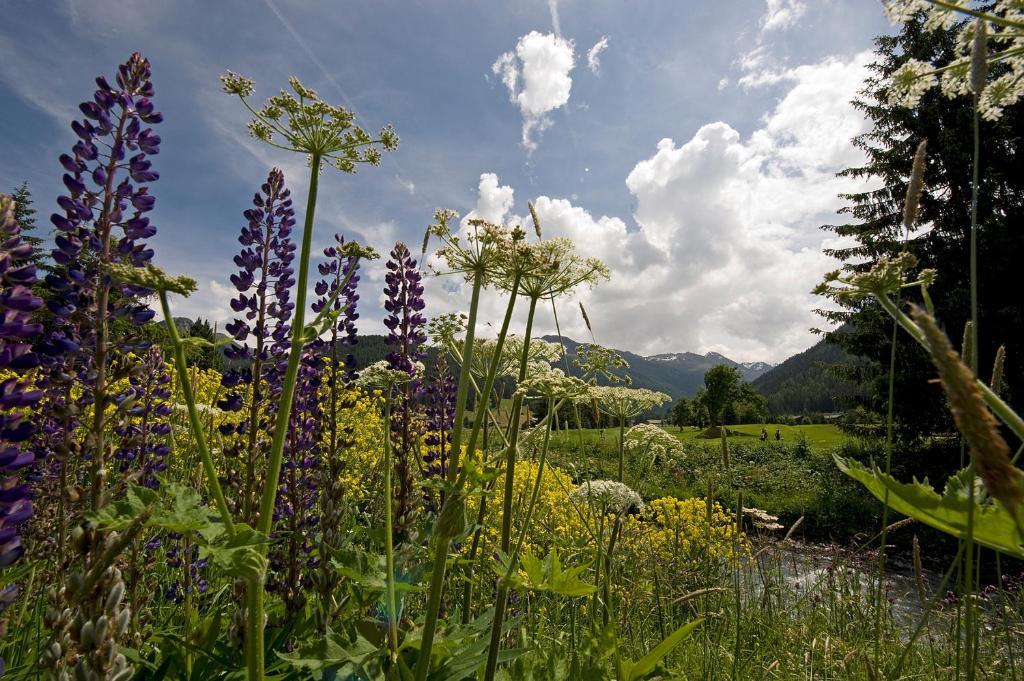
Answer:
(142, 452)
(183, 556)
(440, 412)
(103, 221)
(264, 285)
(17, 303)
(334, 271)
(403, 290)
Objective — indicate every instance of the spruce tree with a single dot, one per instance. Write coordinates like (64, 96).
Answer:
(941, 242)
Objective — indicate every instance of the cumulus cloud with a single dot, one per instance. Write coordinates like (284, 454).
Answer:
(536, 75)
(724, 246)
(781, 14)
(593, 55)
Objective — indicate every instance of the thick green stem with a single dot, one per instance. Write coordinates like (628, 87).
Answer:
(442, 544)
(389, 546)
(284, 409)
(514, 558)
(622, 448)
(193, 416)
(506, 518)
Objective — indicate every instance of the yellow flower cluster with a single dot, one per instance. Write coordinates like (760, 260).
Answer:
(556, 520)
(682, 535)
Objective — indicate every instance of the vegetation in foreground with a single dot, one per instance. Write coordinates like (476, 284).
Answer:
(290, 518)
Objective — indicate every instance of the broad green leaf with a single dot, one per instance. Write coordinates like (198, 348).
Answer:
(631, 671)
(122, 513)
(181, 510)
(330, 650)
(241, 555)
(994, 527)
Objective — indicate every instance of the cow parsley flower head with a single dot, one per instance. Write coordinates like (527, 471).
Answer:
(480, 246)
(625, 403)
(380, 376)
(544, 381)
(762, 519)
(552, 266)
(539, 352)
(299, 120)
(995, 38)
(645, 439)
(608, 495)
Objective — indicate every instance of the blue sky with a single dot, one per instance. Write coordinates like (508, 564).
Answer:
(695, 155)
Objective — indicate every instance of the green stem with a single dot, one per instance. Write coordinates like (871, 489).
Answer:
(513, 559)
(442, 544)
(389, 548)
(1005, 413)
(506, 518)
(284, 409)
(193, 416)
(622, 449)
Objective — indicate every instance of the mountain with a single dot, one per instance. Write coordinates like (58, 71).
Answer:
(679, 374)
(806, 383)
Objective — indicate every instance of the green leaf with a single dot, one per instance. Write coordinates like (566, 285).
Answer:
(645, 665)
(330, 650)
(121, 514)
(242, 555)
(181, 510)
(994, 527)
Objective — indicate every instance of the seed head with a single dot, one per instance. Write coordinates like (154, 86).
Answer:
(979, 58)
(989, 452)
(914, 186)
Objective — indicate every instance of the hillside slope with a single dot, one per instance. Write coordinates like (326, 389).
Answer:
(806, 383)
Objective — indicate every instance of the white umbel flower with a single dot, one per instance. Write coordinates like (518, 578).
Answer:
(646, 439)
(609, 495)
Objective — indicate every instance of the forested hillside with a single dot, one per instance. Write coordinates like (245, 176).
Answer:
(807, 382)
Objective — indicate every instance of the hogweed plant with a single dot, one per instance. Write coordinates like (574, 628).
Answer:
(300, 122)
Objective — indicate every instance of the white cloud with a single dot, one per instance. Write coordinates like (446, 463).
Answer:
(782, 14)
(593, 55)
(723, 83)
(738, 219)
(726, 247)
(209, 302)
(536, 75)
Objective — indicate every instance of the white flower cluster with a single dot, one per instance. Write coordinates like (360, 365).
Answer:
(1005, 47)
(544, 381)
(380, 376)
(623, 402)
(646, 439)
(609, 495)
(540, 351)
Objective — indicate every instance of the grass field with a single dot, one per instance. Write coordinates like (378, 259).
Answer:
(818, 437)
(795, 477)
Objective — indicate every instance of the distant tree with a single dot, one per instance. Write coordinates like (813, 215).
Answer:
(25, 214)
(207, 357)
(750, 406)
(721, 388)
(682, 413)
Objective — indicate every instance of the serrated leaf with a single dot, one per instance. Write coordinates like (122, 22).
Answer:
(330, 651)
(994, 527)
(181, 510)
(241, 555)
(122, 513)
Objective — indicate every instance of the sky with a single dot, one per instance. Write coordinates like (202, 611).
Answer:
(692, 146)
